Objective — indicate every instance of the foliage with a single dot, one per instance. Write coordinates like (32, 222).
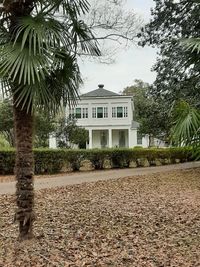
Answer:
(187, 127)
(152, 113)
(6, 121)
(3, 142)
(43, 125)
(40, 61)
(53, 161)
(69, 134)
(177, 69)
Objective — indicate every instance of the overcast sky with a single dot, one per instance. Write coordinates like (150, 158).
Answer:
(134, 63)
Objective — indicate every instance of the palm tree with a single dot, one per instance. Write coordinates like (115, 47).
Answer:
(39, 41)
(186, 130)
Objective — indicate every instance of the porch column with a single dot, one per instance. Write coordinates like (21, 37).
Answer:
(90, 138)
(110, 138)
(132, 138)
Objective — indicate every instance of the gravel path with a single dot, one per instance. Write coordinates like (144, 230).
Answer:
(82, 177)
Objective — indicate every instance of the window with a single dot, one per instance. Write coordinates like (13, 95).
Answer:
(139, 138)
(100, 112)
(125, 112)
(94, 112)
(85, 112)
(114, 112)
(119, 112)
(78, 113)
(105, 112)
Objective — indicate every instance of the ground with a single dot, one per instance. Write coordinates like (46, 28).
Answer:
(144, 221)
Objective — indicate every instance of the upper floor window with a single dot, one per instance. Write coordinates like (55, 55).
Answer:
(100, 112)
(94, 112)
(85, 112)
(119, 112)
(81, 113)
(78, 113)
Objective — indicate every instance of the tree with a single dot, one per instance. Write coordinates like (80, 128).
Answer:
(172, 22)
(44, 125)
(186, 128)
(6, 122)
(69, 134)
(38, 69)
(115, 27)
(152, 113)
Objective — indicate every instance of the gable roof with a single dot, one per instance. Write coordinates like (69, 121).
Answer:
(100, 92)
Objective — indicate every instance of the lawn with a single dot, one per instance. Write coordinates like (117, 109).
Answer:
(150, 221)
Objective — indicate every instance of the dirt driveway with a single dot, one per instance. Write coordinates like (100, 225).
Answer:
(42, 182)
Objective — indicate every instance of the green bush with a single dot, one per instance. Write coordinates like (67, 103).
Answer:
(53, 161)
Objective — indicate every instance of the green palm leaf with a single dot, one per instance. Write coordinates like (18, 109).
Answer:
(21, 66)
(40, 33)
(192, 44)
(59, 86)
(186, 130)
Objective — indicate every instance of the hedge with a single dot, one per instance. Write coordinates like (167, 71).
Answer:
(54, 161)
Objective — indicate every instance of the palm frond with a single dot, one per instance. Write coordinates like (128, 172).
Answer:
(40, 33)
(83, 36)
(38, 60)
(22, 67)
(59, 86)
(71, 8)
(192, 44)
(186, 130)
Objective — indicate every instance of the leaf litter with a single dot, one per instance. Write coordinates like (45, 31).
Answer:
(144, 221)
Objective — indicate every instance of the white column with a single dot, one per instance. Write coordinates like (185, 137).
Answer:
(110, 138)
(132, 138)
(52, 142)
(90, 138)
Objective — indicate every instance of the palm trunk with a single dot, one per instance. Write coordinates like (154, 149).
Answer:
(24, 165)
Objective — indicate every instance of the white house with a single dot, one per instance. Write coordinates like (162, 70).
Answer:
(109, 119)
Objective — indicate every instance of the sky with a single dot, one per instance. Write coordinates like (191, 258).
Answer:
(130, 64)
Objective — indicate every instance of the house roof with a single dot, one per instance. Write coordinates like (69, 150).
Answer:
(100, 92)
(135, 125)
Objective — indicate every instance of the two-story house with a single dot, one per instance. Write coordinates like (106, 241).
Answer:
(108, 117)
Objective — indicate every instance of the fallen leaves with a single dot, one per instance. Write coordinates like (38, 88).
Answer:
(144, 221)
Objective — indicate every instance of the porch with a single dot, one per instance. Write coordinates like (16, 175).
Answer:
(108, 138)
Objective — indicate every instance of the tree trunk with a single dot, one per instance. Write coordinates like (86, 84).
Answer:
(24, 166)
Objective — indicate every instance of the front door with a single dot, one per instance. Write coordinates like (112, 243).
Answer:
(103, 139)
(122, 139)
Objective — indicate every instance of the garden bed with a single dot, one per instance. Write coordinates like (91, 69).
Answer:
(49, 161)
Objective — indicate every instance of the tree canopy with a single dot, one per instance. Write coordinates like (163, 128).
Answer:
(177, 69)
(152, 113)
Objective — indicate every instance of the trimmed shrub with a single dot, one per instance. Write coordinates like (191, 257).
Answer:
(56, 160)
